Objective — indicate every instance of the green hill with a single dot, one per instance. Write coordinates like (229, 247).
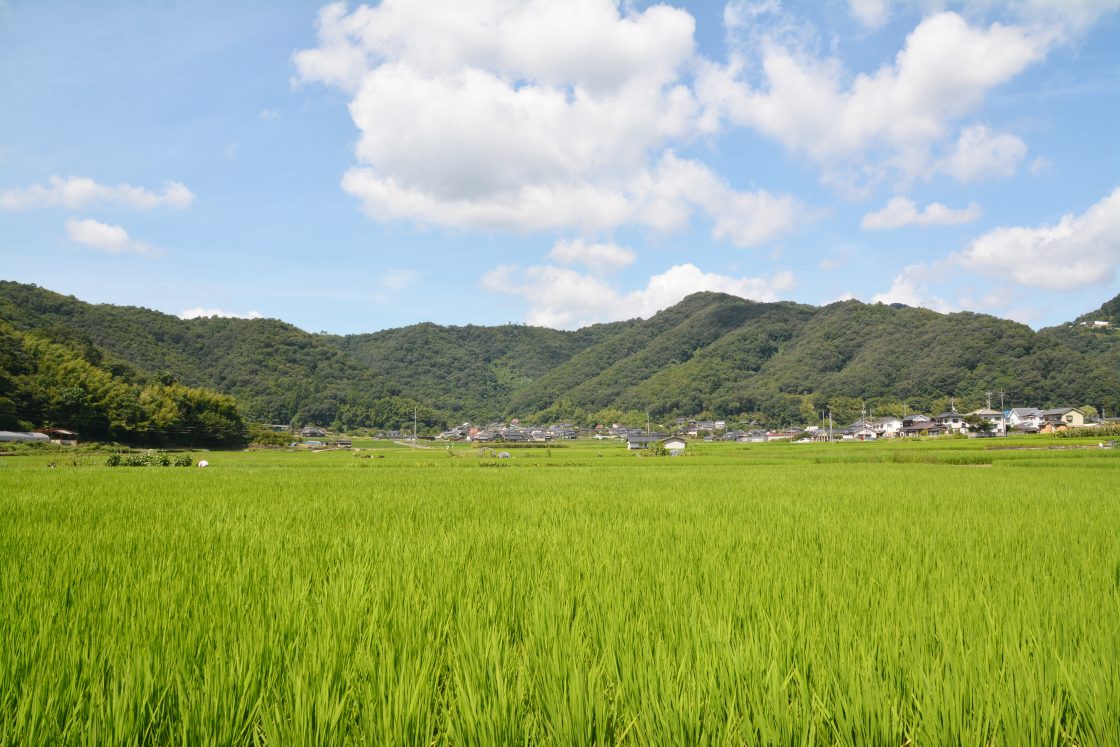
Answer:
(469, 372)
(711, 354)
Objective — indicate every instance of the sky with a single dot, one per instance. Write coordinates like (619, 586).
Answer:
(349, 168)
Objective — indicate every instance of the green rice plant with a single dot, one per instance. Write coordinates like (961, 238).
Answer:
(831, 594)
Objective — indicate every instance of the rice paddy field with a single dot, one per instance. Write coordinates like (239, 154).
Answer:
(833, 594)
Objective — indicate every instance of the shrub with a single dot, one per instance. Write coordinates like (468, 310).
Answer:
(184, 460)
(114, 460)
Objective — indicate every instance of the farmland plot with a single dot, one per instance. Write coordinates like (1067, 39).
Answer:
(834, 594)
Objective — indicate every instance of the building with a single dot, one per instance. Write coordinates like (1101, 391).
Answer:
(952, 421)
(995, 417)
(1019, 416)
(1067, 416)
(634, 443)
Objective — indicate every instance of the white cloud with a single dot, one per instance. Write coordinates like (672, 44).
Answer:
(668, 196)
(112, 239)
(564, 298)
(78, 192)
(870, 13)
(1040, 165)
(199, 312)
(900, 211)
(1078, 251)
(527, 116)
(912, 287)
(1063, 19)
(879, 123)
(1006, 267)
(269, 114)
(600, 258)
(981, 153)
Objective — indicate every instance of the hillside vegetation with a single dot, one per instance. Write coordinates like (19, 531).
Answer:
(43, 383)
(711, 354)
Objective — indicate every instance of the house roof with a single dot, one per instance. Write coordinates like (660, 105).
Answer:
(1058, 411)
(1024, 412)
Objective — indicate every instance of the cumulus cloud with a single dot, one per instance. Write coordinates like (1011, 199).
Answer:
(980, 153)
(900, 211)
(912, 287)
(564, 298)
(1078, 251)
(885, 121)
(1005, 267)
(870, 13)
(600, 258)
(199, 312)
(526, 116)
(107, 238)
(79, 192)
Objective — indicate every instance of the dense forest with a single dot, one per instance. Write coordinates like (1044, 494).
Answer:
(709, 355)
(44, 383)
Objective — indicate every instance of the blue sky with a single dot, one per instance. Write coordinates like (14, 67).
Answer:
(350, 168)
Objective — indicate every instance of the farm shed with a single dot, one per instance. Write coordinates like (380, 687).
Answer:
(61, 436)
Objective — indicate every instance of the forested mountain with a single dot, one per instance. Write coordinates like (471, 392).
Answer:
(710, 354)
(278, 372)
(1108, 312)
(45, 383)
(471, 371)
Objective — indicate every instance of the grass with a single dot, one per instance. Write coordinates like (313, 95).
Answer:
(746, 594)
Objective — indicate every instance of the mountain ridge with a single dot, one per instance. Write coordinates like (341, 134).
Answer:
(710, 353)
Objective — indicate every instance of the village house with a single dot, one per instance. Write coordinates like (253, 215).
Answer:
(1018, 416)
(1070, 417)
(952, 421)
(995, 417)
(640, 442)
(885, 427)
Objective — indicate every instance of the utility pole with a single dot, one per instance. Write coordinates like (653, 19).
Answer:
(414, 424)
(989, 400)
(647, 422)
(830, 426)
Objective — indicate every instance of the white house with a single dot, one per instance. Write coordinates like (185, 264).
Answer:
(1024, 415)
(886, 427)
(995, 417)
(952, 420)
